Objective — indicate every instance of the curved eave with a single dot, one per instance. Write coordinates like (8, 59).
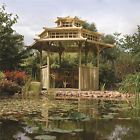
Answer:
(62, 39)
(61, 28)
(101, 44)
(58, 29)
(41, 43)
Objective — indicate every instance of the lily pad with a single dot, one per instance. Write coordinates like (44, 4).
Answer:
(21, 136)
(57, 130)
(45, 137)
(109, 116)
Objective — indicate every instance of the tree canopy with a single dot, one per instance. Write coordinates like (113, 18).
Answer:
(11, 43)
(90, 26)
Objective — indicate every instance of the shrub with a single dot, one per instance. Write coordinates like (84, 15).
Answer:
(1, 75)
(9, 88)
(9, 75)
(107, 76)
(20, 77)
(16, 76)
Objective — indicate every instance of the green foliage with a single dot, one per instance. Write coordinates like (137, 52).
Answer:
(131, 45)
(132, 42)
(69, 60)
(110, 39)
(102, 87)
(91, 27)
(107, 76)
(9, 88)
(11, 43)
(33, 65)
(108, 58)
(131, 84)
(125, 65)
(1, 75)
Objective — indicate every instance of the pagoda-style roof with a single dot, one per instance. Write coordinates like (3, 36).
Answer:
(69, 19)
(68, 29)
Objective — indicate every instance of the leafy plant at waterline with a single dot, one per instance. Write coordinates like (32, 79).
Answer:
(131, 84)
(1, 75)
(9, 88)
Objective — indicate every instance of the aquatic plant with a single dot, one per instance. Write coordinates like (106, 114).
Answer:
(102, 87)
(131, 85)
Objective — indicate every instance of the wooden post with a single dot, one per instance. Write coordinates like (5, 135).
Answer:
(86, 53)
(41, 76)
(98, 57)
(80, 68)
(97, 70)
(48, 70)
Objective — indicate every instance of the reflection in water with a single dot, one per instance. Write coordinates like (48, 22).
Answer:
(45, 108)
(75, 120)
(118, 132)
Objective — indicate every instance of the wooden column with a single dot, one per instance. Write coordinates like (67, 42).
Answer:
(41, 76)
(86, 53)
(48, 70)
(98, 64)
(98, 56)
(80, 68)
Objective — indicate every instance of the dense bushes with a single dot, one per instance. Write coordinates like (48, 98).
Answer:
(107, 76)
(9, 88)
(11, 82)
(16, 76)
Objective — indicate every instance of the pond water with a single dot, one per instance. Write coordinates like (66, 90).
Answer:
(48, 119)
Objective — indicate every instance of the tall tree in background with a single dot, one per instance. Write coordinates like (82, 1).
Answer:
(129, 60)
(132, 47)
(90, 26)
(108, 58)
(11, 43)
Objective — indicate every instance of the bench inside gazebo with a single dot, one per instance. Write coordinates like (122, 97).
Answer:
(70, 37)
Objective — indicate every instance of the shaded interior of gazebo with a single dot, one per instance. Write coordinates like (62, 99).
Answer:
(70, 37)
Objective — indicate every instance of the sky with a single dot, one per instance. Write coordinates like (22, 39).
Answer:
(110, 16)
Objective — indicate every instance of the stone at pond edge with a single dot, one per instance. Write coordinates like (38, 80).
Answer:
(45, 137)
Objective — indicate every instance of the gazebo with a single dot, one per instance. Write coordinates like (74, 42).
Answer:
(69, 36)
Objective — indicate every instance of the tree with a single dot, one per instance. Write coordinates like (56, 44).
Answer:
(108, 58)
(131, 43)
(11, 43)
(91, 27)
(128, 61)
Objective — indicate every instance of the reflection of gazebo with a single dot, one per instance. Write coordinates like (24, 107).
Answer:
(69, 36)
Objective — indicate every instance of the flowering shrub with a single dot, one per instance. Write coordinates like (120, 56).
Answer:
(11, 82)
(9, 87)
(16, 76)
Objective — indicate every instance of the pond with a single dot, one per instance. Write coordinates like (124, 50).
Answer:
(49, 119)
